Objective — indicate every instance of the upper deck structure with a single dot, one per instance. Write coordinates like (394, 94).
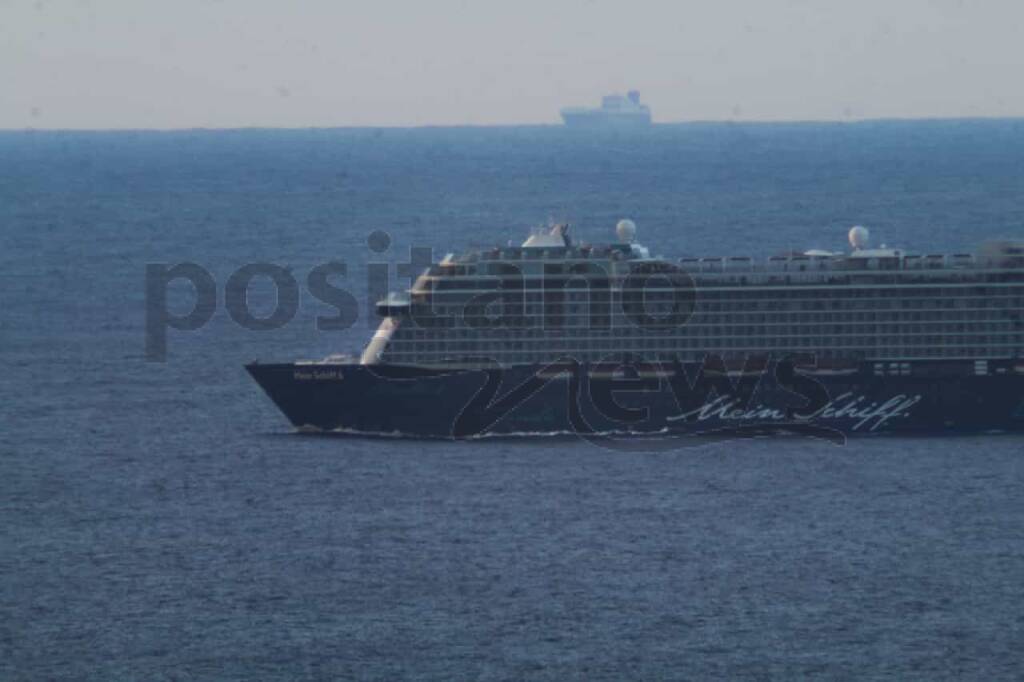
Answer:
(551, 298)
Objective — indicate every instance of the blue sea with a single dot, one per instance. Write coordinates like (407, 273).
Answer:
(159, 520)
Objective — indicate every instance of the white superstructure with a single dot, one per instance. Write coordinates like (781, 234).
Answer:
(552, 297)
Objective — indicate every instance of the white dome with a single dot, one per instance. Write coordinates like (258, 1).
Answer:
(626, 230)
(859, 236)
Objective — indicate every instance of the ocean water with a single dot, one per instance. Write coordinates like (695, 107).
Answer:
(160, 521)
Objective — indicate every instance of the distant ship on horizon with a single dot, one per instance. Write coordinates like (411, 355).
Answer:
(615, 111)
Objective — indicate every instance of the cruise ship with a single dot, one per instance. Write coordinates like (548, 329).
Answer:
(616, 111)
(557, 336)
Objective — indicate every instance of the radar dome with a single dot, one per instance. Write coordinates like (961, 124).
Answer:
(626, 229)
(859, 237)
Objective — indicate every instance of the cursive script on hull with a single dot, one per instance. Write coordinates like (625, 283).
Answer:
(871, 415)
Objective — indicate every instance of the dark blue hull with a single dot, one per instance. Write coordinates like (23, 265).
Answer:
(599, 400)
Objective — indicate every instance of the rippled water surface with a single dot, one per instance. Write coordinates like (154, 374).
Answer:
(160, 521)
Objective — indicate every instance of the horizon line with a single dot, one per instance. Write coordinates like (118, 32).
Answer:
(437, 126)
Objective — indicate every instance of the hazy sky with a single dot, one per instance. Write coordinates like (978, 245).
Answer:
(232, 63)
